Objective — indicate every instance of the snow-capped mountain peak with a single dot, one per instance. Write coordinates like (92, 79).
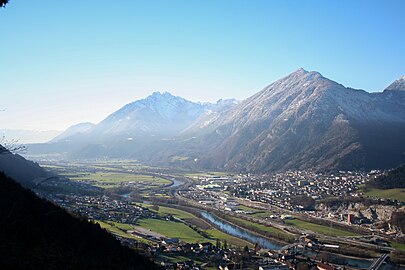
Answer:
(398, 85)
(161, 113)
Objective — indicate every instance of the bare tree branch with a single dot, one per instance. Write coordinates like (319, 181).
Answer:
(11, 146)
(3, 3)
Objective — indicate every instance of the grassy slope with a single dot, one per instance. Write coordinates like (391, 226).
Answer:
(172, 229)
(398, 246)
(213, 233)
(326, 230)
(395, 193)
(271, 230)
(113, 179)
(119, 229)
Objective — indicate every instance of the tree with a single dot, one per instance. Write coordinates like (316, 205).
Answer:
(307, 202)
(10, 146)
(218, 244)
(3, 3)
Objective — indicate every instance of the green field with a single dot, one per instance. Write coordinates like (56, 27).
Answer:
(394, 194)
(256, 212)
(114, 179)
(326, 230)
(175, 212)
(398, 246)
(206, 174)
(119, 229)
(172, 229)
(231, 240)
(270, 230)
(164, 211)
(246, 208)
(212, 232)
(179, 230)
(262, 214)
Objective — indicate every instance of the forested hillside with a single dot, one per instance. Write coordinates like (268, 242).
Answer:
(36, 234)
(392, 179)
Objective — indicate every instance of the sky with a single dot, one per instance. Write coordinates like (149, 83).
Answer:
(62, 63)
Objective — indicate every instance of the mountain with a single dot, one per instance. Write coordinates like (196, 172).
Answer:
(17, 167)
(37, 234)
(74, 130)
(301, 121)
(29, 136)
(298, 122)
(160, 114)
(212, 112)
(131, 131)
(398, 85)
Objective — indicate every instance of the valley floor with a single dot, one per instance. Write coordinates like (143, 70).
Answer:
(161, 213)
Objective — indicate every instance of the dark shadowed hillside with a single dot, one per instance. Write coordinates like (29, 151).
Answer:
(36, 234)
(392, 179)
(20, 169)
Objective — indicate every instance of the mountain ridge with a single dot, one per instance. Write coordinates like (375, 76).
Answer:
(302, 120)
(397, 85)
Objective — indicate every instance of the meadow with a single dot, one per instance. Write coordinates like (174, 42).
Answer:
(117, 179)
(326, 230)
(211, 232)
(393, 194)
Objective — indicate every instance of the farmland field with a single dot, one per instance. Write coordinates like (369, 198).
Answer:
(394, 194)
(172, 229)
(270, 230)
(116, 179)
(326, 230)
(211, 231)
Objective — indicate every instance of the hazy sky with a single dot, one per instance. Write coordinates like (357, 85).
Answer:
(65, 62)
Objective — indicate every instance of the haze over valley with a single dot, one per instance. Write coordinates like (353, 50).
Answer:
(202, 135)
(301, 121)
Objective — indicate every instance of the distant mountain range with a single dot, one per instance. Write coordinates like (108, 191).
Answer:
(301, 121)
(29, 136)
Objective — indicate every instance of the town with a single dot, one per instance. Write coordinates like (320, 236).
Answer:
(284, 217)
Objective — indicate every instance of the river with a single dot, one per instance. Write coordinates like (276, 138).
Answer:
(267, 243)
(240, 233)
(176, 183)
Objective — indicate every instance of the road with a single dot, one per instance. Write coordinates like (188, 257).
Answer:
(377, 263)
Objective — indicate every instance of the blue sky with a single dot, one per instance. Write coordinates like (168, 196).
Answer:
(63, 63)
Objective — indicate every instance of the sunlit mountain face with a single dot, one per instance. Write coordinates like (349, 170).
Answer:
(301, 121)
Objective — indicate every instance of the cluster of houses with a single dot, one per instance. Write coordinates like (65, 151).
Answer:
(102, 207)
(278, 189)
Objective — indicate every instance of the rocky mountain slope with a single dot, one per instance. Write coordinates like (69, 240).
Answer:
(398, 85)
(160, 115)
(134, 130)
(303, 120)
(75, 130)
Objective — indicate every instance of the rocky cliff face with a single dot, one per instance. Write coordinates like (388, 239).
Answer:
(304, 121)
(301, 121)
